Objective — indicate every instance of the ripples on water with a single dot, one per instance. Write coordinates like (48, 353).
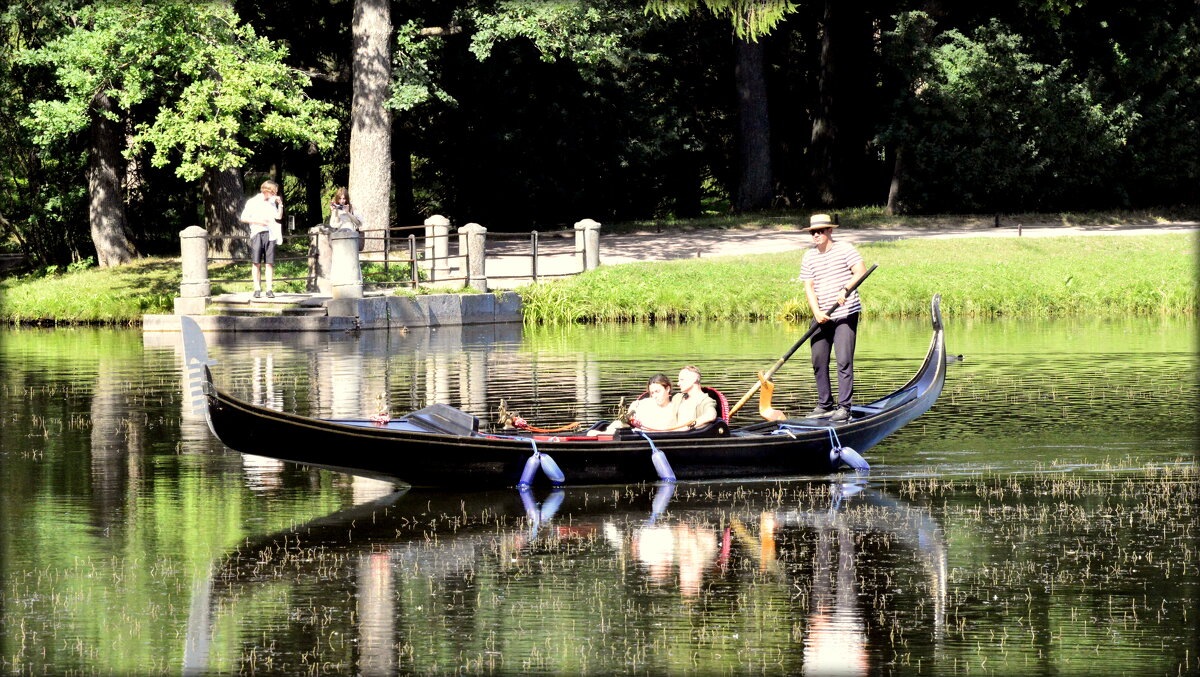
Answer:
(1039, 519)
(1012, 575)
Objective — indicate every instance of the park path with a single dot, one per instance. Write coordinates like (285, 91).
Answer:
(508, 261)
(705, 243)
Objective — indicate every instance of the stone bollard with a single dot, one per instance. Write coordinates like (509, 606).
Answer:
(345, 274)
(320, 260)
(194, 288)
(476, 252)
(437, 247)
(587, 244)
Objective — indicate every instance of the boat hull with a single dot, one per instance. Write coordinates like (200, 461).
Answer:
(424, 459)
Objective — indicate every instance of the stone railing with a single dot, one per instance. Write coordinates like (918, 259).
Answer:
(335, 262)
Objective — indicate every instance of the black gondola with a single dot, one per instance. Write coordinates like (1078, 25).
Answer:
(443, 446)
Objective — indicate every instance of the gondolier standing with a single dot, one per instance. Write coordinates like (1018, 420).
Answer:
(827, 270)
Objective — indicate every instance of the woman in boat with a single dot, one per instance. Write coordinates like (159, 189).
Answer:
(655, 411)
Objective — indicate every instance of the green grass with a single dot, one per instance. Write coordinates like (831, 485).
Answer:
(983, 277)
(95, 295)
(146, 287)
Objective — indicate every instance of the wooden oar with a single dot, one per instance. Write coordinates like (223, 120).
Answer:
(796, 346)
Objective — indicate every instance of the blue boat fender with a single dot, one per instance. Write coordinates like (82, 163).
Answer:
(552, 470)
(661, 465)
(847, 455)
(531, 468)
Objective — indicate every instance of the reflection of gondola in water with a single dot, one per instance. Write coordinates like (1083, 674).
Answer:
(693, 546)
(443, 446)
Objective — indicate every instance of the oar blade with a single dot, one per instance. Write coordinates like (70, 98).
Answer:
(765, 393)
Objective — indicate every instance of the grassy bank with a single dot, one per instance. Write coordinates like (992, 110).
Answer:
(986, 277)
(122, 295)
(95, 295)
(1097, 275)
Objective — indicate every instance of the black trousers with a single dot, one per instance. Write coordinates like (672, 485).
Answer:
(838, 335)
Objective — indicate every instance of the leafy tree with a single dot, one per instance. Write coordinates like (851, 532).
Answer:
(40, 213)
(985, 127)
(186, 81)
(752, 20)
(545, 112)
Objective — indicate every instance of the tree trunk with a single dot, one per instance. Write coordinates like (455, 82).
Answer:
(754, 130)
(824, 127)
(402, 180)
(370, 121)
(313, 188)
(859, 171)
(684, 187)
(106, 210)
(223, 200)
(895, 204)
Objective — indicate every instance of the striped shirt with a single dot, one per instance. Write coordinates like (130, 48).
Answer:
(830, 273)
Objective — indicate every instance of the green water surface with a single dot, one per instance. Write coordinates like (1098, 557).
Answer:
(1040, 519)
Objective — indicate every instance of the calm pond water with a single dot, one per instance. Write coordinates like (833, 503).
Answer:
(1040, 519)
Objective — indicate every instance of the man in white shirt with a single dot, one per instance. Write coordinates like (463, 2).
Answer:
(264, 212)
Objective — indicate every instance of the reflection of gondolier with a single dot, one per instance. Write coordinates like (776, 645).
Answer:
(828, 270)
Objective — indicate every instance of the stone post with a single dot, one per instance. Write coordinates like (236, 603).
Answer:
(194, 288)
(346, 274)
(587, 244)
(476, 255)
(320, 260)
(437, 246)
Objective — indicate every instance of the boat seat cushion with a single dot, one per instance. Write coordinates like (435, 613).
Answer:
(444, 419)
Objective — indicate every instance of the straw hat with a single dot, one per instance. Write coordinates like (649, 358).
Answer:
(819, 221)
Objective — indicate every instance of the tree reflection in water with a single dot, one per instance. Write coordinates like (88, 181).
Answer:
(428, 574)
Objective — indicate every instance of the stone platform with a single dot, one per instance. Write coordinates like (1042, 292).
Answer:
(314, 312)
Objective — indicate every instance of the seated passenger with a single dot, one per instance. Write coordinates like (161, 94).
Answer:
(656, 411)
(653, 411)
(693, 407)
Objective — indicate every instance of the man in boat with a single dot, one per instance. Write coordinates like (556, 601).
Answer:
(693, 407)
(828, 270)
